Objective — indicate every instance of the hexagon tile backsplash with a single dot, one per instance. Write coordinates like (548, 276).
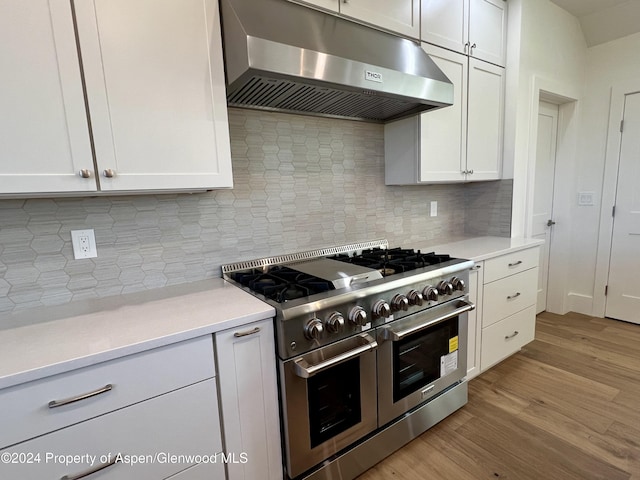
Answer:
(299, 183)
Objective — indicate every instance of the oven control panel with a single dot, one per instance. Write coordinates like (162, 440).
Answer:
(364, 309)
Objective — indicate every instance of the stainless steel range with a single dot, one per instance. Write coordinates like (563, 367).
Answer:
(372, 346)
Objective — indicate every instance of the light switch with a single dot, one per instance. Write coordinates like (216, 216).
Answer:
(585, 199)
(434, 209)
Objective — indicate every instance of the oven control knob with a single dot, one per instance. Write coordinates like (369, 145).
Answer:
(430, 293)
(358, 316)
(381, 309)
(415, 298)
(313, 330)
(399, 302)
(445, 288)
(457, 283)
(335, 322)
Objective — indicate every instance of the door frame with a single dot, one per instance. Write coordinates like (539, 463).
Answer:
(566, 97)
(609, 186)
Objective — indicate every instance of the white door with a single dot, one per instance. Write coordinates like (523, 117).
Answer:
(543, 192)
(488, 30)
(623, 297)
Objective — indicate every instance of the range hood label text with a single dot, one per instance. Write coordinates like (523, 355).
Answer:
(373, 76)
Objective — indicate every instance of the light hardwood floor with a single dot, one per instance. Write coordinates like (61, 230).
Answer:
(566, 407)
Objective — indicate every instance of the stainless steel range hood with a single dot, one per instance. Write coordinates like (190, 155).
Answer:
(284, 57)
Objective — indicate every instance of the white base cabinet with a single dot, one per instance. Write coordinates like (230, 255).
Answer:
(249, 401)
(475, 321)
(132, 429)
(508, 305)
(155, 109)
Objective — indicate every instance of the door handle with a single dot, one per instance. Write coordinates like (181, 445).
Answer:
(550, 223)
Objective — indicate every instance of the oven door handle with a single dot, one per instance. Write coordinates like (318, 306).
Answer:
(394, 335)
(304, 370)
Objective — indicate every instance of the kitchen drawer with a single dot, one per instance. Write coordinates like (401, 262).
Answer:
(505, 265)
(507, 336)
(202, 471)
(509, 295)
(25, 412)
(160, 433)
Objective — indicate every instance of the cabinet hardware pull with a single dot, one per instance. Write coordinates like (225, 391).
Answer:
(507, 337)
(476, 267)
(511, 297)
(84, 396)
(466, 47)
(248, 332)
(515, 264)
(470, 172)
(93, 470)
(109, 173)
(471, 48)
(84, 173)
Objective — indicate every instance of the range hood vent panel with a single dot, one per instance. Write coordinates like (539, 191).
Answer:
(336, 68)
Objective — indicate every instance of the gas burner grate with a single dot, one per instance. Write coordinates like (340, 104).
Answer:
(393, 260)
(282, 284)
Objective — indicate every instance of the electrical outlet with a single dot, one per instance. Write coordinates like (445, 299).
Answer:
(84, 244)
(434, 209)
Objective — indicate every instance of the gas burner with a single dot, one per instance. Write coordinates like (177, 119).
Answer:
(393, 260)
(282, 284)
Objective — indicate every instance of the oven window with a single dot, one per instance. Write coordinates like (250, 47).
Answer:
(416, 359)
(334, 401)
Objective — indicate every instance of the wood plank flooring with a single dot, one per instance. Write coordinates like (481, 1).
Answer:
(566, 407)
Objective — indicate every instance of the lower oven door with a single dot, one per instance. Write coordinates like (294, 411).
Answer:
(419, 356)
(329, 400)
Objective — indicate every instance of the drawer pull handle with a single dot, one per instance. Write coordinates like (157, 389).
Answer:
(248, 332)
(476, 267)
(93, 470)
(516, 295)
(84, 396)
(507, 337)
(515, 264)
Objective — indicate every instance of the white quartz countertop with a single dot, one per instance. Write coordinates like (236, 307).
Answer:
(43, 342)
(483, 248)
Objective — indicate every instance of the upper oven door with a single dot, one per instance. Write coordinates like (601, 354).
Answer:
(419, 356)
(328, 400)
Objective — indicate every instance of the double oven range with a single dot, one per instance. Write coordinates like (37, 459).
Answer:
(371, 345)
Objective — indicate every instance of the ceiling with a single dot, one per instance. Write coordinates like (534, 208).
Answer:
(604, 20)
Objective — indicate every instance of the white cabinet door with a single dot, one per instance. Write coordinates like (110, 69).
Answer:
(485, 120)
(488, 30)
(43, 124)
(401, 16)
(249, 400)
(443, 133)
(475, 321)
(445, 23)
(156, 93)
(473, 27)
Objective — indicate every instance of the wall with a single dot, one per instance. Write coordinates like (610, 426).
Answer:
(299, 183)
(608, 65)
(545, 44)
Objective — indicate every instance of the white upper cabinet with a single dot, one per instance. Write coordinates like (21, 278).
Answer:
(399, 16)
(155, 91)
(486, 120)
(473, 27)
(43, 124)
(432, 147)
(459, 143)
